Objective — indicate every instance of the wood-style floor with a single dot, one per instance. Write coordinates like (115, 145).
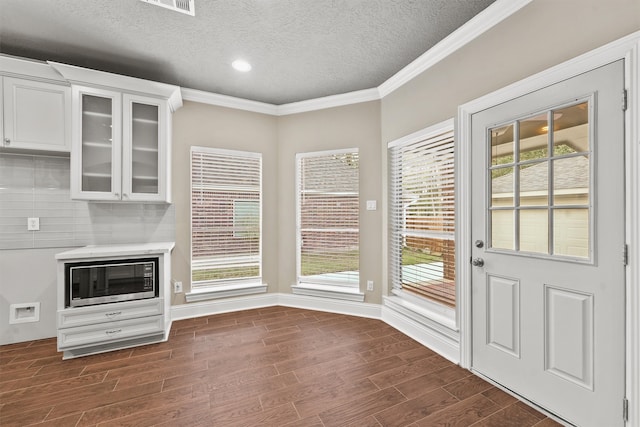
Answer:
(276, 366)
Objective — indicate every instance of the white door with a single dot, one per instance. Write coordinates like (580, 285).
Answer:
(548, 295)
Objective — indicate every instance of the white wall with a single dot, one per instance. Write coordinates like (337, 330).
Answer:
(26, 276)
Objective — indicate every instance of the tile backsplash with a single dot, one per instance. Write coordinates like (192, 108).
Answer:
(38, 186)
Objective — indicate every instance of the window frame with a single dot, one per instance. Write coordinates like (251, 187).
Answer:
(220, 288)
(418, 307)
(329, 288)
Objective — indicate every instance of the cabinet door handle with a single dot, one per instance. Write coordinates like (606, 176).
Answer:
(7, 141)
(113, 331)
(113, 313)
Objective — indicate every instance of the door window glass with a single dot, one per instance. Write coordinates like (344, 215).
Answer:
(502, 229)
(540, 183)
(502, 145)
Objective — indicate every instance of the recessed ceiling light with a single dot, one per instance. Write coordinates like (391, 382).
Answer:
(241, 65)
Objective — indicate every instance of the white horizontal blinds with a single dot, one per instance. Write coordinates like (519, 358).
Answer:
(225, 216)
(422, 217)
(328, 224)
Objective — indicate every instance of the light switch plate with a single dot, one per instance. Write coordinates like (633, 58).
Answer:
(33, 224)
(372, 205)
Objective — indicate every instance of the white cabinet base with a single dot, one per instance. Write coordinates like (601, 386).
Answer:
(98, 332)
(99, 328)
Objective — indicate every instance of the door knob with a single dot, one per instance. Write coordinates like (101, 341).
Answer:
(477, 262)
(7, 141)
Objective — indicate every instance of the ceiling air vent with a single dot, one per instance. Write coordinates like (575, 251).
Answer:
(182, 6)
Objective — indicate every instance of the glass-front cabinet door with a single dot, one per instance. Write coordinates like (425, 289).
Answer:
(96, 144)
(143, 148)
(120, 146)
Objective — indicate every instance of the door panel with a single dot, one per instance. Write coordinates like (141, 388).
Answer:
(503, 311)
(569, 335)
(548, 199)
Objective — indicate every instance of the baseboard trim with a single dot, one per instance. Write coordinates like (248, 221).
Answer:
(331, 305)
(219, 306)
(211, 307)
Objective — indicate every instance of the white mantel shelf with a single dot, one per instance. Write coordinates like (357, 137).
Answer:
(132, 249)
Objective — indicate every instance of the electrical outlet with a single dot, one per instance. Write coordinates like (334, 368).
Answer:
(369, 285)
(177, 287)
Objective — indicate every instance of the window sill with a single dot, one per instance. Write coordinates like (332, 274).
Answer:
(423, 310)
(225, 291)
(328, 291)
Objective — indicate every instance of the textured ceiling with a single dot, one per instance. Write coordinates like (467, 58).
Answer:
(299, 49)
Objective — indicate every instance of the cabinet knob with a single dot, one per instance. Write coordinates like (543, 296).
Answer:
(7, 141)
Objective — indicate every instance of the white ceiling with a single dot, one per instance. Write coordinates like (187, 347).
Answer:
(299, 49)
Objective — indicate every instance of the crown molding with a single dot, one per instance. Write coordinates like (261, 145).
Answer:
(228, 101)
(284, 109)
(476, 26)
(349, 98)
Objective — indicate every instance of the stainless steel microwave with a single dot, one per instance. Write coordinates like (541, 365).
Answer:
(100, 282)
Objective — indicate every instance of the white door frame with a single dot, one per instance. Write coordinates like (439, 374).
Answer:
(627, 48)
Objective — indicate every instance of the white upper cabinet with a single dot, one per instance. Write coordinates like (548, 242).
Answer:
(145, 133)
(96, 154)
(36, 115)
(121, 142)
(120, 146)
